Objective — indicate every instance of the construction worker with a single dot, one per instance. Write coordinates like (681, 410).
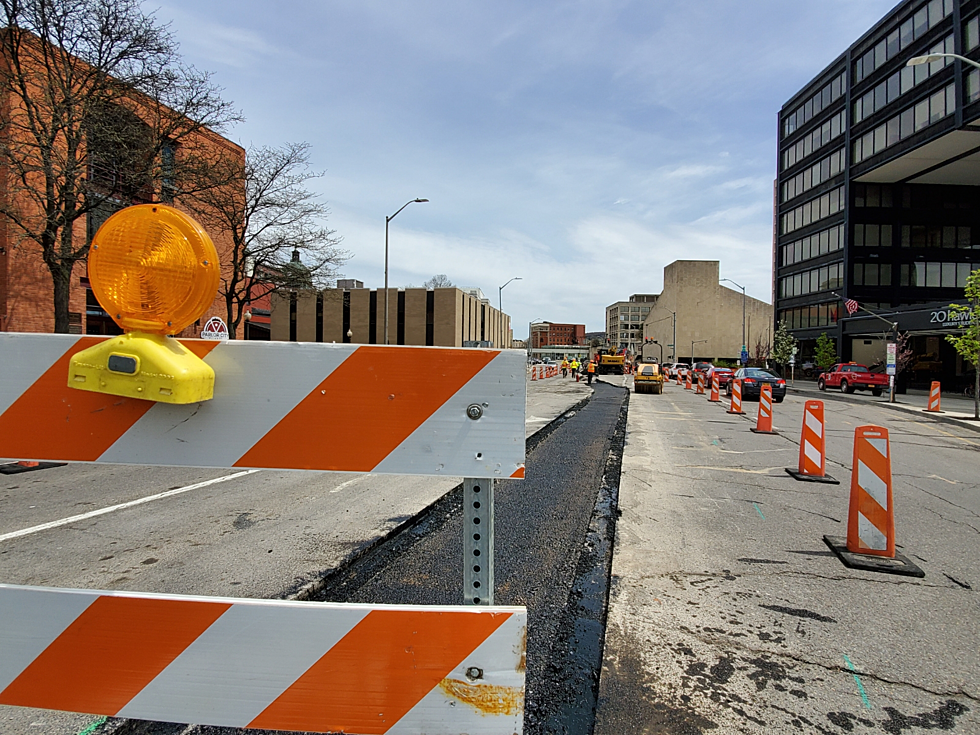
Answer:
(564, 367)
(575, 365)
(590, 370)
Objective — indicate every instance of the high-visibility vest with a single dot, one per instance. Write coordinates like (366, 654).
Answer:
(591, 367)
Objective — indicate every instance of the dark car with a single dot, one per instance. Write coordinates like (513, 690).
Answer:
(701, 368)
(724, 376)
(752, 380)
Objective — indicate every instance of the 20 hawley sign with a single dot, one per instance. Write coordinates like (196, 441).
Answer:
(930, 318)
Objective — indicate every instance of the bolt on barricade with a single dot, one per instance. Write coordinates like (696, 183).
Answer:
(813, 446)
(763, 424)
(935, 397)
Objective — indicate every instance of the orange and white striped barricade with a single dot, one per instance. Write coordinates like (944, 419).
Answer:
(534, 372)
(326, 407)
(870, 542)
(715, 395)
(687, 380)
(935, 398)
(677, 374)
(277, 405)
(736, 406)
(301, 666)
(813, 447)
(700, 390)
(763, 422)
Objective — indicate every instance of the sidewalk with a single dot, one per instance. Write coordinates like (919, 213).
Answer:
(548, 398)
(956, 408)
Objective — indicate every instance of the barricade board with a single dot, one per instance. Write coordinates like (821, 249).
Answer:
(279, 405)
(265, 664)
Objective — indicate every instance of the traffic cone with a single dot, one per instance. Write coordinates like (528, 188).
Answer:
(934, 398)
(871, 516)
(813, 447)
(763, 423)
(715, 396)
(736, 406)
(534, 373)
(870, 541)
(678, 376)
(687, 380)
(700, 390)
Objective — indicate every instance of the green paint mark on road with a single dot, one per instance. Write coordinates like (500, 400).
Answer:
(864, 696)
(94, 726)
(758, 511)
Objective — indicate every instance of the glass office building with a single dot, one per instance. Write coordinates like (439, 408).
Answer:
(877, 197)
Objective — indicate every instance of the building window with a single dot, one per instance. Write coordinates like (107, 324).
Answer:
(873, 236)
(827, 95)
(814, 210)
(808, 144)
(815, 175)
(937, 236)
(912, 28)
(926, 112)
(901, 82)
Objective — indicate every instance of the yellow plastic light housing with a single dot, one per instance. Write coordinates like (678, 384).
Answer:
(155, 270)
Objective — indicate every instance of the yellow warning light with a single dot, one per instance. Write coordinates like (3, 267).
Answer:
(155, 270)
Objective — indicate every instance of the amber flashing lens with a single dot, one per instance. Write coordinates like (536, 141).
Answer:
(153, 268)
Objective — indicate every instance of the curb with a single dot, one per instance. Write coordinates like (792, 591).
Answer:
(837, 396)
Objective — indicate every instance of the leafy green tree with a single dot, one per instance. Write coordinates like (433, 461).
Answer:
(967, 341)
(825, 353)
(783, 344)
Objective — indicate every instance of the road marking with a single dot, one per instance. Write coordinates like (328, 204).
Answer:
(763, 471)
(864, 696)
(935, 428)
(951, 482)
(122, 506)
(754, 505)
(342, 485)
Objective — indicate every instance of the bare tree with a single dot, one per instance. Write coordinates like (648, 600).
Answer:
(278, 239)
(99, 113)
(440, 280)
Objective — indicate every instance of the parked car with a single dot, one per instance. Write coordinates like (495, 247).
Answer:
(701, 368)
(752, 380)
(724, 376)
(677, 368)
(849, 376)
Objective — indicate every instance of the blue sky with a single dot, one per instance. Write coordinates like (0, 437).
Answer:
(581, 146)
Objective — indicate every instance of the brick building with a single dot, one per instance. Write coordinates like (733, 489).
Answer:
(26, 283)
(552, 334)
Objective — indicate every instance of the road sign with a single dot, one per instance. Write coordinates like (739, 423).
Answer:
(215, 329)
(744, 357)
(279, 405)
(266, 664)
(892, 356)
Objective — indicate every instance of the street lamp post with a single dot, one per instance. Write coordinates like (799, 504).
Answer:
(500, 292)
(929, 58)
(743, 314)
(695, 342)
(387, 220)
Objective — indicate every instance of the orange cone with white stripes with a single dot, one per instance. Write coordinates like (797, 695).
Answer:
(763, 423)
(534, 373)
(715, 395)
(871, 516)
(813, 447)
(736, 406)
(687, 380)
(870, 543)
(700, 390)
(935, 394)
(678, 376)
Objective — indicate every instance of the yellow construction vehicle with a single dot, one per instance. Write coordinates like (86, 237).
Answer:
(648, 379)
(609, 363)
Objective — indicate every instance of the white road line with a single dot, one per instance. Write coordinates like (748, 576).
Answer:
(342, 485)
(122, 506)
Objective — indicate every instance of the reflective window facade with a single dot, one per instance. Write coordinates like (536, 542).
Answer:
(857, 212)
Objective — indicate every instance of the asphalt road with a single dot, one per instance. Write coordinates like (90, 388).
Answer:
(728, 613)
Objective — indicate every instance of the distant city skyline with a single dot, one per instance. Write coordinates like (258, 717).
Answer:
(581, 147)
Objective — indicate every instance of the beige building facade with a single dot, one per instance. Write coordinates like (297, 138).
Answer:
(624, 320)
(705, 313)
(443, 317)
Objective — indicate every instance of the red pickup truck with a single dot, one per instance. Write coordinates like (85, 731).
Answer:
(849, 377)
